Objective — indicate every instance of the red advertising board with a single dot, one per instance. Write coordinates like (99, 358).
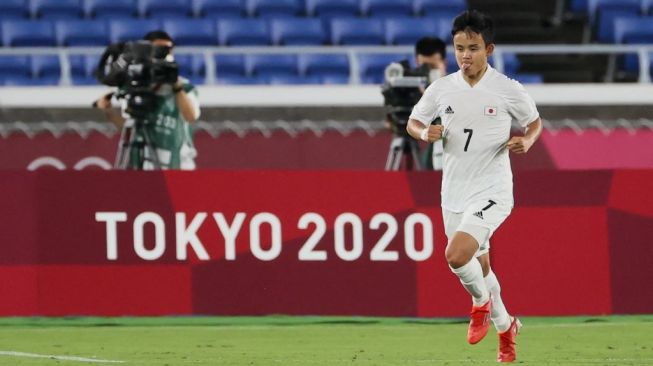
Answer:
(332, 243)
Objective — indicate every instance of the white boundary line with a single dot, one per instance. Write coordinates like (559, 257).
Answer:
(54, 357)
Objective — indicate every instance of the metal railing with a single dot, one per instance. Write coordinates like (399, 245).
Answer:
(643, 52)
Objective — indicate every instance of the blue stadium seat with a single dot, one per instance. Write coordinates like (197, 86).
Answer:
(631, 63)
(273, 8)
(46, 67)
(191, 65)
(332, 8)
(511, 63)
(219, 8)
(334, 79)
(578, 6)
(81, 33)
(324, 66)
(357, 32)
(191, 32)
(14, 66)
(603, 12)
(82, 68)
(164, 9)
(272, 65)
(408, 31)
(633, 30)
(110, 9)
(56, 9)
(300, 31)
(372, 66)
(121, 30)
(230, 66)
(385, 8)
(21, 33)
(528, 78)
(243, 32)
(439, 7)
(14, 9)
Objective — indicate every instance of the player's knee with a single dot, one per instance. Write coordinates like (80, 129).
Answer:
(456, 258)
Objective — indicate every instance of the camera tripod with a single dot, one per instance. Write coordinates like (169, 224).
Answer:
(403, 148)
(146, 157)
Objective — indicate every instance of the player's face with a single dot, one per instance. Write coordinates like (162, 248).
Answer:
(471, 52)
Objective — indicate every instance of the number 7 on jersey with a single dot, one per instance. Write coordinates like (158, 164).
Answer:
(469, 138)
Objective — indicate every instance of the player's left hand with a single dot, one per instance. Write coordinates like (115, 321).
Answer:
(519, 144)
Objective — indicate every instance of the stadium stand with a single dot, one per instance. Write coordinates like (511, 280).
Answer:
(109, 9)
(81, 33)
(191, 32)
(297, 32)
(122, 30)
(273, 8)
(17, 33)
(243, 32)
(332, 8)
(215, 9)
(164, 9)
(56, 9)
(357, 32)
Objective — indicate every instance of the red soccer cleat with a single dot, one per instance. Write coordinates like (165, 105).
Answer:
(479, 323)
(507, 351)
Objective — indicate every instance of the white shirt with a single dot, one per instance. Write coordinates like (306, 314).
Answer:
(477, 123)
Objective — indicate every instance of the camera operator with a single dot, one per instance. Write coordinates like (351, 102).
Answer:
(404, 85)
(173, 107)
(432, 52)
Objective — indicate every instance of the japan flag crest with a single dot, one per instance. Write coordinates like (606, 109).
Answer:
(490, 111)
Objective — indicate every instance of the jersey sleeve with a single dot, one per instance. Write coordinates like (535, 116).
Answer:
(521, 105)
(426, 110)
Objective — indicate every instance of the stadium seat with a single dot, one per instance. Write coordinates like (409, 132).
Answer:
(324, 66)
(14, 9)
(300, 31)
(164, 9)
(408, 31)
(219, 8)
(357, 32)
(82, 68)
(27, 33)
(46, 67)
(122, 30)
(273, 8)
(603, 12)
(230, 66)
(439, 7)
(191, 32)
(633, 30)
(243, 32)
(334, 79)
(81, 33)
(110, 9)
(386, 8)
(372, 66)
(191, 65)
(272, 65)
(332, 8)
(56, 9)
(511, 63)
(14, 66)
(578, 6)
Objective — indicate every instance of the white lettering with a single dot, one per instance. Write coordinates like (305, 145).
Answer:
(229, 232)
(255, 236)
(159, 236)
(111, 219)
(188, 235)
(348, 218)
(427, 236)
(308, 252)
(379, 252)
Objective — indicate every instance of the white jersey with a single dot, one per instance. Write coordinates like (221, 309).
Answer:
(477, 123)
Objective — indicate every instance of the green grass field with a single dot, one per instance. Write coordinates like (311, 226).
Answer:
(313, 341)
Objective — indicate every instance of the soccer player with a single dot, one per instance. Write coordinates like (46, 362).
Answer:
(477, 105)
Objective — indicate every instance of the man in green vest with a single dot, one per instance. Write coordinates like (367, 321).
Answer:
(167, 125)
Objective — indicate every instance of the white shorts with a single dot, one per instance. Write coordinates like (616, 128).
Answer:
(480, 220)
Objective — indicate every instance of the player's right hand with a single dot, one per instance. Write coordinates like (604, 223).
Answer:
(104, 102)
(434, 133)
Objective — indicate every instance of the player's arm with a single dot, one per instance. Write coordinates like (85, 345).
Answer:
(521, 144)
(419, 131)
(112, 114)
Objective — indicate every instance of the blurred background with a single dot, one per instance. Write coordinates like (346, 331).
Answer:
(288, 87)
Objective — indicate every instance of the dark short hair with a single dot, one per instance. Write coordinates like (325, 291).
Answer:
(429, 46)
(158, 34)
(474, 21)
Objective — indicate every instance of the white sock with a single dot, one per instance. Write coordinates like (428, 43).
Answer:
(471, 276)
(499, 314)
